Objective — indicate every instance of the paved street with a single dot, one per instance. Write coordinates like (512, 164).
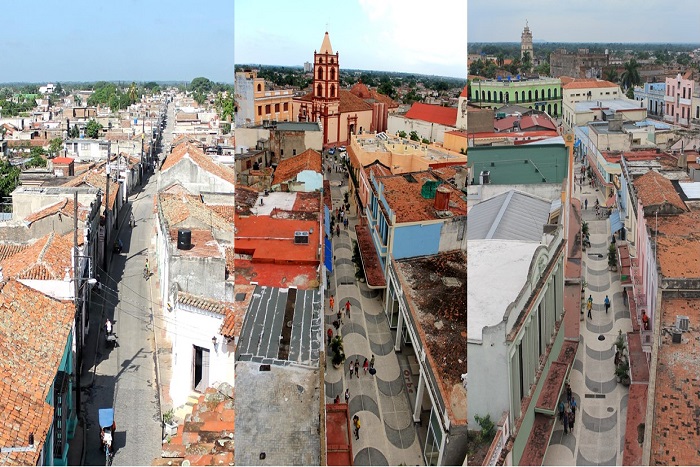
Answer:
(599, 431)
(388, 435)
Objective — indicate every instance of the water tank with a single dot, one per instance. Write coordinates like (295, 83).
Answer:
(301, 237)
(184, 239)
(442, 199)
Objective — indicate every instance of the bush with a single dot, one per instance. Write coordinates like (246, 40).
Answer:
(337, 349)
(488, 428)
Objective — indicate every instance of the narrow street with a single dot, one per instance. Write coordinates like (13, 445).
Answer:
(599, 431)
(388, 435)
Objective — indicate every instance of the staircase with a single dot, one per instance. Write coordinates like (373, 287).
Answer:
(186, 409)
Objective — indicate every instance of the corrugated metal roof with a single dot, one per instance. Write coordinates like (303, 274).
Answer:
(512, 215)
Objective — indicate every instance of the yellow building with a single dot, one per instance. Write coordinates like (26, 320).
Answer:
(340, 112)
(256, 104)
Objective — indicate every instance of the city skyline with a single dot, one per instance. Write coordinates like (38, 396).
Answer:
(654, 21)
(288, 36)
(127, 41)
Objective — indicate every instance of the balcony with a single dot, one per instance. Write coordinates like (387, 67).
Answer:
(669, 99)
(682, 101)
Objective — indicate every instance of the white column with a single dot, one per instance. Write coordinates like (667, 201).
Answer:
(419, 398)
(399, 329)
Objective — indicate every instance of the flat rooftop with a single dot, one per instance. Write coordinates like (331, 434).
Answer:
(281, 327)
(611, 104)
(277, 413)
(501, 265)
(437, 290)
(298, 126)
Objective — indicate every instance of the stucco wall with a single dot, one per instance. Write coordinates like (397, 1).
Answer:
(416, 240)
(193, 178)
(198, 275)
(431, 131)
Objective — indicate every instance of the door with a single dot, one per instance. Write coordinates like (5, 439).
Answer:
(201, 369)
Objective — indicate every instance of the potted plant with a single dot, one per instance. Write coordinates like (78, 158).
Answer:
(612, 258)
(623, 372)
(337, 349)
(169, 423)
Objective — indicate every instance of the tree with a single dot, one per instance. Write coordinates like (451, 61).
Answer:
(630, 77)
(387, 89)
(132, 93)
(55, 146)
(500, 59)
(527, 62)
(225, 128)
(92, 129)
(9, 178)
(199, 97)
(58, 89)
(414, 136)
(611, 75)
(78, 100)
(201, 85)
(630, 93)
(74, 132)
(543, 69)
(402, 134)
(37, 157)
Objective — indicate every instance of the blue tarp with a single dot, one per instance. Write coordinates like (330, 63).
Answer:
(327, 220)
(615, 222)
(328, 254)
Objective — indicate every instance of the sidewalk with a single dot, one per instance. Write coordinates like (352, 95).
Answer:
(387, 435)
(599, 431)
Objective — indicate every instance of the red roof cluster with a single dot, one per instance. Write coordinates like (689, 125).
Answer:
(289, 168)
(433, 114)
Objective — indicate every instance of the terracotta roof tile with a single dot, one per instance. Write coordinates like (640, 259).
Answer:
(405, 200)
(233, 322)
(586, 83)
(675, 434)
(184, 210)
(351, 103)
(9, 249)
(97, 179)
(433, 113)
(203, 303)
(65, 207)
(226, 211)
(374, 273)
(197, 156)
(289, 168)
(654, 189)
(678, 245)
(49, 258)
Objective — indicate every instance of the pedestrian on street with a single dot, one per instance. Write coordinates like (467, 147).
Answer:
(332, 302)
(337, 230)
(371, 362)
(565, 421)
(340, 316)
(573, 405)
(337, 399)
(561, 411)
(347, 395)
(365, 366)
(357, 368)
(347, 308)
(356, 422)
(607, 304)
(585, 204)
(330, 335)
(568, 393)
(352, 368)
(572, 419)
(589, 305)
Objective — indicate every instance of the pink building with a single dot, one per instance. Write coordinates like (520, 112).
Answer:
(678, 99)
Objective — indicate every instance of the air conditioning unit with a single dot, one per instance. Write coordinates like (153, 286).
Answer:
(676, 336)
(682, 323)
(301, 237)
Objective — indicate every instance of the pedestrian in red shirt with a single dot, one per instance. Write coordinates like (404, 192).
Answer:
(330, 335)
(347, 308)
(365, 365)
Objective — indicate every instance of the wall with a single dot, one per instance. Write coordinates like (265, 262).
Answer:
(248, 137)
(197, 275)
(453, 235)
(312, 180)
(431, 131)
(416, 240)
(193, 178)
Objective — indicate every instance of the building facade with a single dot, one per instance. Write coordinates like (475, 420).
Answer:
(526, 44)
(543, 94)
(678, 99)
(652, 96)
(581, 64)
(256, 104)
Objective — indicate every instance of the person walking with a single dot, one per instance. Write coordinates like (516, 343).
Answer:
(573, 405)
(352, 368)
(565, 421)
(337, 399)
(330, 335)
(356, 422)
(572, 419)
(357, 368)
(365, 366)
(568, 393)
(340, 316)
(589, 305)
(585, 204)
(607, 304)
(561, 411)
(347, 308)
(347, 396)
(371, 362)
(337, 230)
(331, 301)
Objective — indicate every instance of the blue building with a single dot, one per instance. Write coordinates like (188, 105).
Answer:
(652, 94)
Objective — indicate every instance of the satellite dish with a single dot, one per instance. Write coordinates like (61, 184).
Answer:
(185, 463)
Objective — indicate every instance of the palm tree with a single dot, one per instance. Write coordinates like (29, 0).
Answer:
(611, 75)
(500, 59)
(630, 77)
(132, 92)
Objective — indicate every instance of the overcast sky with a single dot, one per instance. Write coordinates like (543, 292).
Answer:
(141, 40)
(585, 20)
(417, 36)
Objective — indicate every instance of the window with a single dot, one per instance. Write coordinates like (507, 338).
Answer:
(267, 109)
(84, 146)
(277, 107)
(260, 110)
(319, 90)
(332, 90)
(294, 152)
(281, 152)
(285, 106)
(320, 73)
(332, 73)
(259, 87)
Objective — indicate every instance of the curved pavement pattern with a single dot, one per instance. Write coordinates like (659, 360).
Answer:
(598, 436)
(387, 435)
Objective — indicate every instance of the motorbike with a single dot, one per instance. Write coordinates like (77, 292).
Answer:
(107, 429)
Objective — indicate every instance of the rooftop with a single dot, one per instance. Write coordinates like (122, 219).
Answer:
(588, 83)
(675, 434)
(278, 414)
(184, 210)
(289, 168)
(437, 294)
(678, 245)
(204, 245)
(513, 215)
(653, 189)
(187, 150)
(611, 104)
(266, 336)
(433, 113)
(502, 262)
(48, 258)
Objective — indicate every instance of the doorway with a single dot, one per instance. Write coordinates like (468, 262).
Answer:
(200, 371)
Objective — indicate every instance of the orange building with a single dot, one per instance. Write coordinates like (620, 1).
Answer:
(256, 104)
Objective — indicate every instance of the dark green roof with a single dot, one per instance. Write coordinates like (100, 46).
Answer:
(525, 164)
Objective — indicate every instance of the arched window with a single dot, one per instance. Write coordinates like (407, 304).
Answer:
(489, 96)
(331, 60)
(332, 73)
(501, 97)
(320, 73)
(549, 93)
(522, 96)
(549, 109)
(483, 95)
(529, 96)
(555, 93)
(555, 109)
(259, 87)
(319, 90)
(516, 97)
(332, 90)
(537, 95)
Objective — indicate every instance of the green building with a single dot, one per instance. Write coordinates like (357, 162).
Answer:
(516, 165)
(535, 93)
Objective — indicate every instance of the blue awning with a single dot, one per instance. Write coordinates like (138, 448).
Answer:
(577, 143)
(615, 222)
(328, 254)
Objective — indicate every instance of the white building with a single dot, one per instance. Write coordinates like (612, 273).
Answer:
(88, 150)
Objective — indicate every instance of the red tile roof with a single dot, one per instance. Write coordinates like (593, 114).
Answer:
(405, 199)
(537, 120)
(586, 83)
(204, 245)
(675, 436)
(49, 258)
(62, 161)
(464, 92)
(9, 249)
(351, 103)
(678, 245)
(307, 202)
(654, 189)
(97, 179)
(233, 322)
(188, 211)
(374, 273)
(65, 207)
(289, 168)
(197, 156)
(433, 113)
